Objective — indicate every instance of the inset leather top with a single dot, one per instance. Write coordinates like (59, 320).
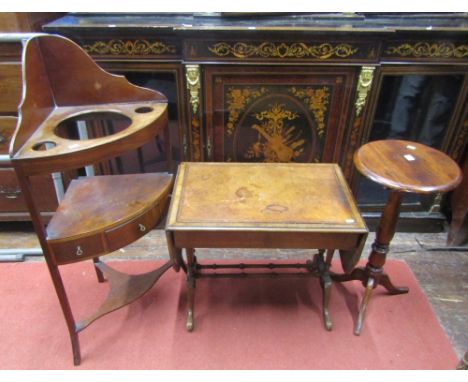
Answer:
(263, 196)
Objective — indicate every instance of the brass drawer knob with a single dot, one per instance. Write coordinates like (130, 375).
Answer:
(142, 227)
(79, 251)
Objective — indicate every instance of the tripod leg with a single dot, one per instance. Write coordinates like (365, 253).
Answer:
(392, 289)
(364, 303)
(356, 274)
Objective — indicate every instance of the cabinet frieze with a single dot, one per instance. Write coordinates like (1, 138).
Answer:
(138, 47)
(426, 50)
(307, 50)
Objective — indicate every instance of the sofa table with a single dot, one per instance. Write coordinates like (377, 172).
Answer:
(263, 205)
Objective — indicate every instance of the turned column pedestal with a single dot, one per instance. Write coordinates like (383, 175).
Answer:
(400, 166)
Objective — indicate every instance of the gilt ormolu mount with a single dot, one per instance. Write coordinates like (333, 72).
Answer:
(63, 87)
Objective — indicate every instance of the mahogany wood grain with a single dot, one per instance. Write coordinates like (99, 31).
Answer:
(105, 202)
(90, 82)
(267, 205)
(402, 166)
(110, 216)
(98, 214)
(53, 96)
(62, 155)
(119, 281)
(407, 166)
(37, 102)
(271, 239)
(263, 205)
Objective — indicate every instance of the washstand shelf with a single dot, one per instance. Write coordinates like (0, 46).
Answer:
(98, 214)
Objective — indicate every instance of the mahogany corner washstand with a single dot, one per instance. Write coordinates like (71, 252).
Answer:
(98, 214)
(263, 205)
(400, 166)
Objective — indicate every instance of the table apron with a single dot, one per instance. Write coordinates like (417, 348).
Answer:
(267, 239)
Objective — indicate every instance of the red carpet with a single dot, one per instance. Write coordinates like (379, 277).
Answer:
(254, 323)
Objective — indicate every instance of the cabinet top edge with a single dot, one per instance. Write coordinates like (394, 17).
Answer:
(307, 22)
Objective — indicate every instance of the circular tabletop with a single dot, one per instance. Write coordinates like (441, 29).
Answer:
(407, 166)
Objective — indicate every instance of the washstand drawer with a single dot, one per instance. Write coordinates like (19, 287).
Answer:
(104, 242)
(132, 230)
(75, 250)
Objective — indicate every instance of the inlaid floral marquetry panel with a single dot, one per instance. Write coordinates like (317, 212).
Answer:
(276, 124)
(283, 117)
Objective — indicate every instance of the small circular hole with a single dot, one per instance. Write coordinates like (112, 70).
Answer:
(43, 146)
(143, 109)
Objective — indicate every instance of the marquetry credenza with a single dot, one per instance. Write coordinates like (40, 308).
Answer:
(292, 87)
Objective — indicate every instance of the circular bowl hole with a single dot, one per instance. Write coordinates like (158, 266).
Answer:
(144, 109)
(92, 125)
(43, 146)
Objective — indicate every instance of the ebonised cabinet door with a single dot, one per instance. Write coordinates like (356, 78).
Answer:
(276, 114)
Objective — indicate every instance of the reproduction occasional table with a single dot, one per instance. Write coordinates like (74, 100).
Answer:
(400, 166)
(263, 205)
